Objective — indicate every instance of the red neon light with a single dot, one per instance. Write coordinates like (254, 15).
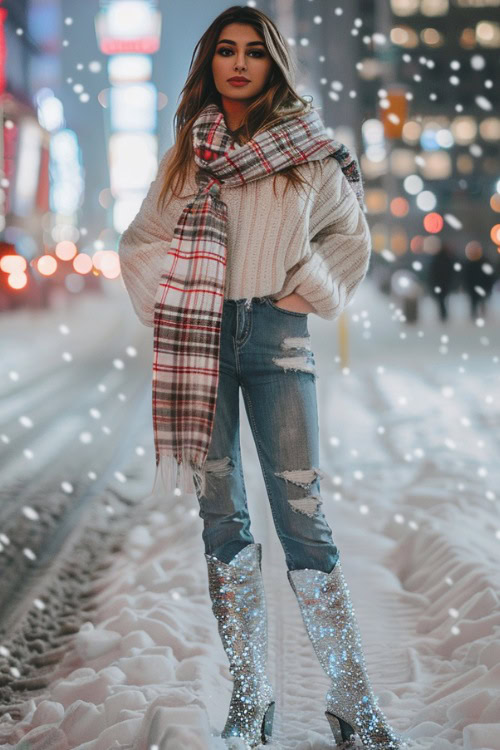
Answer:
(3, 49)
(10, 141)
(146, 46)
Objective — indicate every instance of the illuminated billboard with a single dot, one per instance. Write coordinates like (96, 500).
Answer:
(128, 26)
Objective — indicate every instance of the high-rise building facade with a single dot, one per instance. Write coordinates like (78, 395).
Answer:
(430, 158)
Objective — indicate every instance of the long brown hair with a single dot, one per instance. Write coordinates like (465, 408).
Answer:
(277, 100)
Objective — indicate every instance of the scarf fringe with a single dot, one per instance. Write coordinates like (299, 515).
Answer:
(171, 475)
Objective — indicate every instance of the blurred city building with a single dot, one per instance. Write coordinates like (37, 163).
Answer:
(41, 180)
(430, 134)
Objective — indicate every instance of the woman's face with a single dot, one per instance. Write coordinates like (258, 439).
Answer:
(240, 51)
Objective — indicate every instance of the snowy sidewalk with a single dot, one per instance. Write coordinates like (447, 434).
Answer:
(409, 449)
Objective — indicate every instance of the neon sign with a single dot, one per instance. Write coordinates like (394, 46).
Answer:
(3, 48)
(128, 26)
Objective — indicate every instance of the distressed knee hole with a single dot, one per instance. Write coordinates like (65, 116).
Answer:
(299, 361)
(219, 466)
(302, 477)
(309, 505)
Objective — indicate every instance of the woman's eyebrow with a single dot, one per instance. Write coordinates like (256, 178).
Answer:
(230, 41)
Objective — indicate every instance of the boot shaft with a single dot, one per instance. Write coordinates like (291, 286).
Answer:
(352, 707)
(238, 601)
(239, 605)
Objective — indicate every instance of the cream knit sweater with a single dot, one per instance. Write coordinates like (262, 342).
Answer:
(315, 242)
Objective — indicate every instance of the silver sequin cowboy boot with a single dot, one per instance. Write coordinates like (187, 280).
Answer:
(238, 602)
(352, 708)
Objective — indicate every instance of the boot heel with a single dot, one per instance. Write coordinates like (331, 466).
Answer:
(267, 723)
(335, 727)
(340, 728)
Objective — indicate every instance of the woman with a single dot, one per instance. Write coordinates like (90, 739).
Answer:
(227, 274)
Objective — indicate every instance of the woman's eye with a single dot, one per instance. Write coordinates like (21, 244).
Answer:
(253, 51)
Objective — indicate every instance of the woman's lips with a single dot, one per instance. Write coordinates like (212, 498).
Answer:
(238, 83)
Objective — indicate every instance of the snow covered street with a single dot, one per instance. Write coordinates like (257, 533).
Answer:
(410, 439)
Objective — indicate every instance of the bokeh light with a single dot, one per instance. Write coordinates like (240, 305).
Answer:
(417, 244)
(17, 280)
(495, 234)
(47, 265)
(473, 250)
(110, 264)
(413, 184)
(13, 263)
(426, 200)
(83, 263)
(66, 250)
(399, 207)
(433, 222)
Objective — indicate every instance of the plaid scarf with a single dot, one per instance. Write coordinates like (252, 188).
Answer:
(190, 296)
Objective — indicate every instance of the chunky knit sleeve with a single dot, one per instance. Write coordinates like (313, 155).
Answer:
(142, 250)
(340, 247)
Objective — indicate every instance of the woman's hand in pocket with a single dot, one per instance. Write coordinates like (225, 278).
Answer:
(294, 302)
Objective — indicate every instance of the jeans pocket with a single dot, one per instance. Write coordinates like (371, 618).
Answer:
(284, 311)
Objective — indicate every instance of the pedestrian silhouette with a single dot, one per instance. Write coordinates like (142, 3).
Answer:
(477, 284)
(441, 278)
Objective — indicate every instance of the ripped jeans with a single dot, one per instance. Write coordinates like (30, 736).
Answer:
(266, 350)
